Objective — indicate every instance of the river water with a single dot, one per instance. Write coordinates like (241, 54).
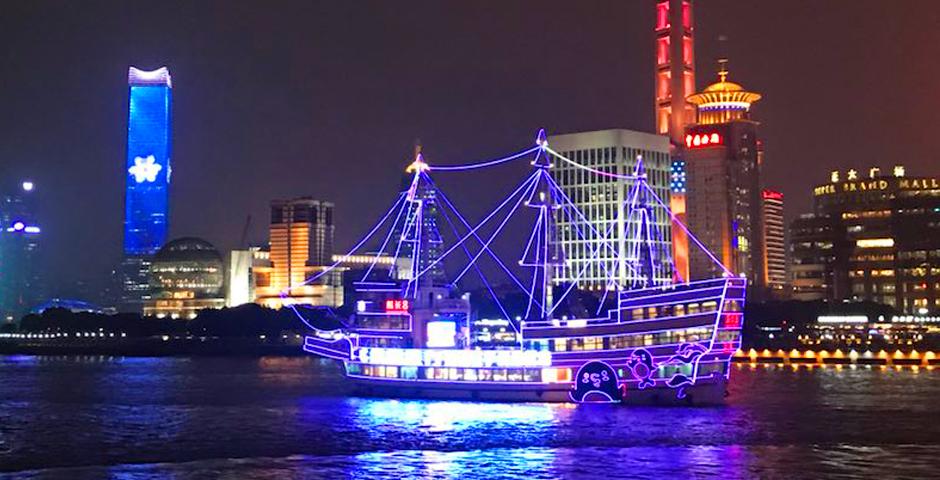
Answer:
(280, 417)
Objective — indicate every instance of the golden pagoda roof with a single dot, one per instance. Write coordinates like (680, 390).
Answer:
(723, 94)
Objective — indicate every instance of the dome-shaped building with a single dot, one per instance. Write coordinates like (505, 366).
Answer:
(187, 275)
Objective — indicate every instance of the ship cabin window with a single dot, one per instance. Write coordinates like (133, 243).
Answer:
(499, 374)
(651, 312)
(732, 306)
(593, 343)
(693, 308)
(636, 313)
(706, 369)
(679, 310)
(709, 306)
(485, 374)
(354, 368)
(410, 373)
(559, 345)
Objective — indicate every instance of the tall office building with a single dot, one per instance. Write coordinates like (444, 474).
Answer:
(20, 272)
(674, 82)
(775, 256)
(722, 156)
(301, 237)
(147, 179)
(601, 200)
(873, 236)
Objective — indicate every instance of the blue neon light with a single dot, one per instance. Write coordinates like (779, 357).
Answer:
(147, 167)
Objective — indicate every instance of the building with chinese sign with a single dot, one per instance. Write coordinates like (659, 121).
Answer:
(873, 236)
(724, 203)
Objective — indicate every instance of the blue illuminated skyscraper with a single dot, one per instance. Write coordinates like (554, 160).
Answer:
(147, 178)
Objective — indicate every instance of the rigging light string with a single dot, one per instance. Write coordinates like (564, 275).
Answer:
(490, 163)
(494, 234)
(486, 283)
(658, 200)
(349, 253)
(689, 233)
(524, 184)
(492, 254)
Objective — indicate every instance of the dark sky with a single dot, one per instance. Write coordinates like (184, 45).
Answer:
(281, 99)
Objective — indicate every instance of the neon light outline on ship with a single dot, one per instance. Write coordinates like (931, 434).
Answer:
(685, 333)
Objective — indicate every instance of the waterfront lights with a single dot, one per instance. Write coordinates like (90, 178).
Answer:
(19, 226)
(28, 186)
(419, 357)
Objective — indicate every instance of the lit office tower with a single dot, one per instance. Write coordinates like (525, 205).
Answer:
(301, 237)
(601, 199)
(722, 156)
(20, 284)
(775, 257)
(147, 179)
(675, 80)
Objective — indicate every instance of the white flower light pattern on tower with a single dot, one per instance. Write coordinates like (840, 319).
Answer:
(145, 169)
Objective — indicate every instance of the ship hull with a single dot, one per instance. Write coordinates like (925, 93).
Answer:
(703, 393)
(669, 345)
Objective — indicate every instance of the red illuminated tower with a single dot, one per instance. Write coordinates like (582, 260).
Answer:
(675, 80)
(675, 68)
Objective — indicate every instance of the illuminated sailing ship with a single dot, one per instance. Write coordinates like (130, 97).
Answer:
(655, 341)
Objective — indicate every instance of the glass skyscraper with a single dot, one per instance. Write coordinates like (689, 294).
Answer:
(147, 178)
(20, 273)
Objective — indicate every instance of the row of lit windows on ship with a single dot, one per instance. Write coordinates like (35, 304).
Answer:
(533, 375)
(678, 310)
(670, 337)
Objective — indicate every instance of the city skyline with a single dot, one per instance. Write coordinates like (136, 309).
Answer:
(312, 103)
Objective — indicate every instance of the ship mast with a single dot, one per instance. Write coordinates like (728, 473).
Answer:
(640, 256)
(543, 250)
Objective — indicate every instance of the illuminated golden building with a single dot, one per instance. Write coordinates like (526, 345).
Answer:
(186, 276)
(873, 236)
(774, 257)
(301, 247)
(724, 204)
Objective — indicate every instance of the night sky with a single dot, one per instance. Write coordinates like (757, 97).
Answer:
(282, 99)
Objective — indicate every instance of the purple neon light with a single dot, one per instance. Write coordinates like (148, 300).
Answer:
(583, 270)
(480, 225)
(391, 231)
(689, 233)
(656, 197)
(585, 167)
(489, 163)
(492, 254)
(492, 236)
(350, 252)
(616, 254)
(486, 283)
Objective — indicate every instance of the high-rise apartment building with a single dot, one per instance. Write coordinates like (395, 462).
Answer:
(147, 179)
(724, 204)
(601, 199)
(301, 247)
(775, 248)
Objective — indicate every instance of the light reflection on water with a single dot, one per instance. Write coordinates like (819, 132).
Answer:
(94, 417)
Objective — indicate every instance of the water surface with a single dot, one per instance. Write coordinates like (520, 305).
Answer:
(194, 418)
